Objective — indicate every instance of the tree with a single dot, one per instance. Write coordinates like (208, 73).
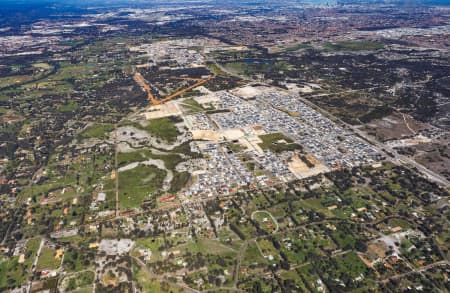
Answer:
(257, 287)
(285, 265)
(360, 245)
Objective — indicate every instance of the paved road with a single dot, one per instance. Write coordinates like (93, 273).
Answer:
(240, 256)
(116, 170)
(33, 267)
(399, 159)
(418, 270)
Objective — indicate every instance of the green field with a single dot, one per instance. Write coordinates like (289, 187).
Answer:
(210, 246)
(180, 179)
(100, 131)
(353, 46)
(78, 71)
(278, 142)
(216, 69)
(31, 250)
(149, 284)
(268, 250)
(269, 226)
(10, 273)
(297, 47)
(79, 280)
(69, 107)
(170, 160)
(405, 225)
(250, 67)
(309, 277)
(12, 80)
(163, 128)
(3, 110)
(155, 244)
(137, 184)
(76, 260)
(351, 264)
(253, 256)
(25, 78)
(192, 106)
(137, 156)
(47, 260)
(295, 280)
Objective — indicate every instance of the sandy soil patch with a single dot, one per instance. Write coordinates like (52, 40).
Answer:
(206, 135)
(377, 250)
(246, 92)
(297, 165)
(233, 134)
(301, 170)
(208, 99)
(237, 48)
(252, 143)
(419, 139)
(170, 108)
(305, 89)
(259, 130)
(203, 90)
(394, 126)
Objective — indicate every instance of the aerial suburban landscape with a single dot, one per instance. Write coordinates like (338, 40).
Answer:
(224, 146)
